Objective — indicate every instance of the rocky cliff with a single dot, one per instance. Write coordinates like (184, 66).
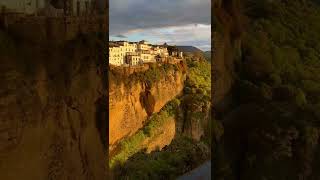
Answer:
(130, 105)
(52, 111)
(227, 49)
(173, 134)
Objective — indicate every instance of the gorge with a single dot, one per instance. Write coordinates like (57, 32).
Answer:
(158, 110)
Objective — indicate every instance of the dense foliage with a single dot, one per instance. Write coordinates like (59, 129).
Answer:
(181, 156)
(274, 131)
(197, 96)
(282, 46)
(199, 78)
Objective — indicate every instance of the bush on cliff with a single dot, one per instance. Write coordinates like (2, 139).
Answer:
(196, 101)
(198, 77)
(152, 75)
(133, 144)
(181, 156)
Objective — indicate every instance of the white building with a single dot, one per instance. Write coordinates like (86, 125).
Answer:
(115, 55)
(133, 53)
(134, 59)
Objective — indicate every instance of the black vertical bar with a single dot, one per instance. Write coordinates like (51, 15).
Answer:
(212, 78)
(106, 12)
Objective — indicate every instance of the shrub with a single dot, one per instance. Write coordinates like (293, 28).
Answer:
(199, 77)
(180, 156)
(285, 93)
(266, 91)
(133, 144)
(247, 91)
(275, 79)
(300, 98)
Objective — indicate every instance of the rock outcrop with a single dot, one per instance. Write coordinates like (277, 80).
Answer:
(164, 137)
(196, 117)
(131, 105)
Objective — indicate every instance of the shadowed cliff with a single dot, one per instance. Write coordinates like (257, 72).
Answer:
(227, 32)
(52, 110)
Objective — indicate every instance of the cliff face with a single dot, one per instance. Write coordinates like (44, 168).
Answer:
(52, 113)
(227, 44)
(164, 136)
(130, 106)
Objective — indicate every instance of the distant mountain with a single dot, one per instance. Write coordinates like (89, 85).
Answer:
(190, 49)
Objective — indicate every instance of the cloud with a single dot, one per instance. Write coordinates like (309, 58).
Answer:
(120, 36)
(126, 15)
(179, 22)
(190, 34)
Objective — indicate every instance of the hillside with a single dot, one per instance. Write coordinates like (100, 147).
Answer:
(270, 106)
(207, 55)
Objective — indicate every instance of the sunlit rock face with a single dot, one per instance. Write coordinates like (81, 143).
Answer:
(129, 107)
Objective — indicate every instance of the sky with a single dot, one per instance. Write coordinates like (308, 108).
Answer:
(176, 22)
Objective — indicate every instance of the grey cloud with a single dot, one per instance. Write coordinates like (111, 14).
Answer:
(181, 35)
(121, 36)
(135, 14)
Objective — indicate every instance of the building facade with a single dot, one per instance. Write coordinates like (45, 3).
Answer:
(116, 56)
(123, 53)
(134, 59)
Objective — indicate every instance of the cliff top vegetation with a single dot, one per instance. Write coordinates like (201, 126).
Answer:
(276, 115)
